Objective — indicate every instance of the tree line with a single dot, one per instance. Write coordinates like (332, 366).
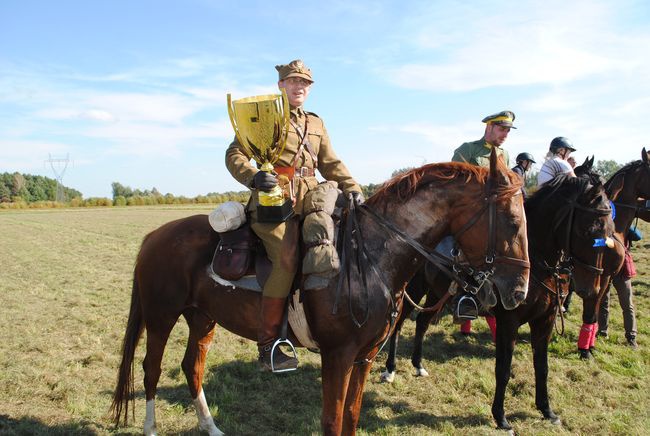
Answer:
(25, 190)
(17, 187)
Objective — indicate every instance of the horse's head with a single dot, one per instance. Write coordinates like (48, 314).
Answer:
(570, 222)
(491, 231)
(632, 181)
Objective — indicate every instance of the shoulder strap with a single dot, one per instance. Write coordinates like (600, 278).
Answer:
(304, 142)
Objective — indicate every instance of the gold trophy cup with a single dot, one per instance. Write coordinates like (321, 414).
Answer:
(261, 124)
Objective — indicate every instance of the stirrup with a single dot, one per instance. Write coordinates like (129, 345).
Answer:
(470, 312)
(275, 348)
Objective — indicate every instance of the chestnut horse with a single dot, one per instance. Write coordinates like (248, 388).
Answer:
(623, 188)
(425, 204)
(564, 219)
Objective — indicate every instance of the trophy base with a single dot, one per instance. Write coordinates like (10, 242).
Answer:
(275, 214)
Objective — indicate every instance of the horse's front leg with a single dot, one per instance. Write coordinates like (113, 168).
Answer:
(439, 286)
(336, 369)
(198, 344)
(388, 376)
(507, 326)
(540, 334)
(354, 397)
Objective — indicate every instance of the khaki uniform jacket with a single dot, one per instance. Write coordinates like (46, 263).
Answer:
(478, 153)
(329, 165)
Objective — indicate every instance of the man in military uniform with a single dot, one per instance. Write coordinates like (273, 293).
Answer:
(308, 148)
(478, 153)
(496, 132)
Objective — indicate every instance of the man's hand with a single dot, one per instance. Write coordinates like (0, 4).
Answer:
(357, 197)
(264, 181)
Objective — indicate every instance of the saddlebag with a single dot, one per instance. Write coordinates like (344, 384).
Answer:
(235, 253)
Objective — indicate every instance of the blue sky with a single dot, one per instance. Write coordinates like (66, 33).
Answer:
(135, 91)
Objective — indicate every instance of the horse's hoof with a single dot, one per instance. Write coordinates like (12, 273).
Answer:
(421, 372)
(551, 417)
(388, 377)
(505, 425)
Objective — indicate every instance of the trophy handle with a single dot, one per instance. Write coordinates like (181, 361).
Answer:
(284, 123)
(231, 115)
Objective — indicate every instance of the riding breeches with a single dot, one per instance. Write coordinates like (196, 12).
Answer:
(275, 237)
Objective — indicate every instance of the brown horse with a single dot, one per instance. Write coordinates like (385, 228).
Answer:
(171, 279)
(564, 219)
(624, 188)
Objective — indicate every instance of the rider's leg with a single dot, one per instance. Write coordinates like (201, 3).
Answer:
(274, 298)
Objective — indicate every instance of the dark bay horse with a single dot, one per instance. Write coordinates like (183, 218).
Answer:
(565, 218)
(171, 279)
(623, 188)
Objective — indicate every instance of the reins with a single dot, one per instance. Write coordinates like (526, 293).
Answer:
(468, 278)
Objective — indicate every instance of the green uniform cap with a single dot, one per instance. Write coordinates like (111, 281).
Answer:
(504, 118)
(294, 69)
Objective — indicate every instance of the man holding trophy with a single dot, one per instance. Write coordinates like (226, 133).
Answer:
(284, 173)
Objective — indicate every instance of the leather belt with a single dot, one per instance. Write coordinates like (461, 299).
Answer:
(291, 172)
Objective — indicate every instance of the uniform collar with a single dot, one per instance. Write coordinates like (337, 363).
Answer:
(297, 112)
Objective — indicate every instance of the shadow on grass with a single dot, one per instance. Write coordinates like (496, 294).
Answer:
(249, 402)
(31, 426)
(408, 419)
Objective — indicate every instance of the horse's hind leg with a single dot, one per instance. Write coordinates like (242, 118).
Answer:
(198, 344)
(157, 334)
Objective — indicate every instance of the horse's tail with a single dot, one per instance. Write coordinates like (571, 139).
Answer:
(125, 387)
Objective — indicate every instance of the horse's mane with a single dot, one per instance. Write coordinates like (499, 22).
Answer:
(627, 167)
(568, 188)
(405, 185)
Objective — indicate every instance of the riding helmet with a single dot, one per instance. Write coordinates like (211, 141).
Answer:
(524, 156)
(561, 142)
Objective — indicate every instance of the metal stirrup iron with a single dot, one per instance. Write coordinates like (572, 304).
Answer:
(283, 340)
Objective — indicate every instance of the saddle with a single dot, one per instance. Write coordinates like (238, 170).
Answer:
(240, 256)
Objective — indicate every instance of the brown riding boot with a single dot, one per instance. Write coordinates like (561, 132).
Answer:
(269, 331)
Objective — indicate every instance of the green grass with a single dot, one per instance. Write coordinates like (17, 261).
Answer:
(65, 285)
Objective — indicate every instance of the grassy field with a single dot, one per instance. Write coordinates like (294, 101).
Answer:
(64, 295)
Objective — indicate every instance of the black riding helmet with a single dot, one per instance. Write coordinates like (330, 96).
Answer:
(561, 142)
(524, 156)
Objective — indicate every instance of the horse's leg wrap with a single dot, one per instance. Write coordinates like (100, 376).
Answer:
(492, 323)
(587, 331)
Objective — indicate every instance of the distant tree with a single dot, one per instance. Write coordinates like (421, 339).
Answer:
(370, 189)
(607, 168)
(5, 193)
(120, 190)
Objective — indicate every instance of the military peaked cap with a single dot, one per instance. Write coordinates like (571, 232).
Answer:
(504, 118)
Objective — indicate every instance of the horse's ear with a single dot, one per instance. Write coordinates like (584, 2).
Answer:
(644, 156)
(615, 186)
(591, 162)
